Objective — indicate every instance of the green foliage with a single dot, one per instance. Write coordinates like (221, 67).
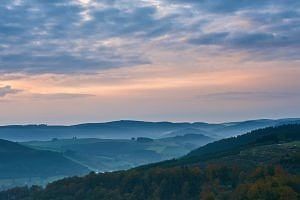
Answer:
(212, 182)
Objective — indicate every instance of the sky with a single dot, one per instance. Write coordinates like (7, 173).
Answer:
(76, 61)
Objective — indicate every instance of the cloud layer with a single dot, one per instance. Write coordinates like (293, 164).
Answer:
(88, 36)
(65, 61)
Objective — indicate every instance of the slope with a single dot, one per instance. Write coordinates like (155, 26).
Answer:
(20, 162)
(116, 154)
(263, 164)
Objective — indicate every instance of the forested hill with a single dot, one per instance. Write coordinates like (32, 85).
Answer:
(258, 137)
(233, 145)
(18, 161)
(263, 164)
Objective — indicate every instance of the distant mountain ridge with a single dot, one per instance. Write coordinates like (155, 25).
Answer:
(126, 129)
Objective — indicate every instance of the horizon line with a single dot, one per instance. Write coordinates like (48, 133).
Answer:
(150, 121)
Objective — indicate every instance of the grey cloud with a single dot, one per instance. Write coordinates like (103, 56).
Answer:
(227, 6)
(209, 39)
(242, 39)
(56, 63)
(45, 37)
(6, 90)
(260, 45)
(52, 37)
(275, 25)
(138, 21)
(61, 96)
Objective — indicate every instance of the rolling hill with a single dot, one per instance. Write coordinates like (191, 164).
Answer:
(116, 154)
(263, 164)
(234, 145)
(20, 165)
(126, 129)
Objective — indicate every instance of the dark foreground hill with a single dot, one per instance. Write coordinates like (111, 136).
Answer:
(263, 164)
(22, 164)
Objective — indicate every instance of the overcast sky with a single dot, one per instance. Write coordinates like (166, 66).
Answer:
(74, 61)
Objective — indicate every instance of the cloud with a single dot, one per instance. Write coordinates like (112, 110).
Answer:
(259, 27)
(35, 64)
(227, 6)
(244, 95)
(60, 96)
(54, 37)
(242, 40)
(209, 39)
(7, 90)
(134, 22)
(72, 36)
(9, 77)
(266, 34)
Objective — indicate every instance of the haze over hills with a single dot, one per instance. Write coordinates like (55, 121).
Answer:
(22, 165)
(118, 154)
(47, 153)
(263, 164)
(40, 162)
(127, 129)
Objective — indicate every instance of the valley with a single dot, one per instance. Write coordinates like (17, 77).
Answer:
(262, 164)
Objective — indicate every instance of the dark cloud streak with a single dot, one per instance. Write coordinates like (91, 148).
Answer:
(60, 96)
(7, 90)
